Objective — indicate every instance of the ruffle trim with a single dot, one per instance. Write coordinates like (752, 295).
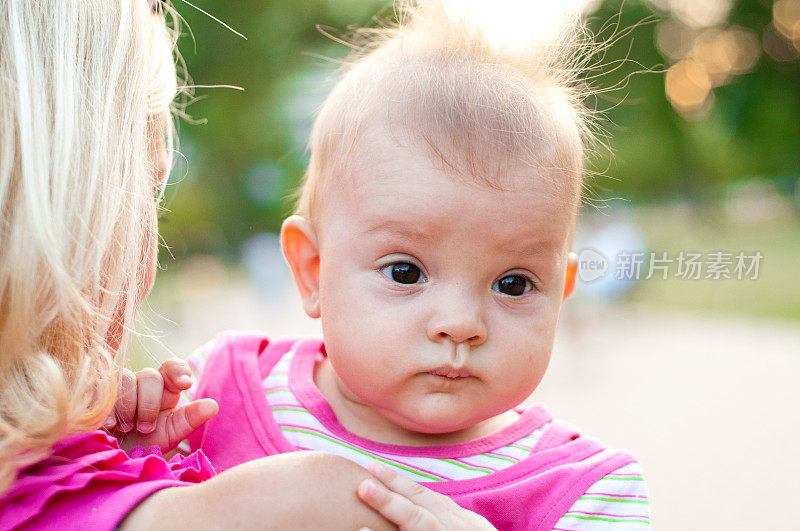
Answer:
(93, 464)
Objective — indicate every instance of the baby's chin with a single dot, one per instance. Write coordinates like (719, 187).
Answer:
(439, 416)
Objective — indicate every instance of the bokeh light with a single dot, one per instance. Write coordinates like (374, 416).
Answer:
(725, 53)
(688, 86)
(675, 39)
(786, 14)
(778, 47)
(705, 54)
(704, 59)
(702, 14)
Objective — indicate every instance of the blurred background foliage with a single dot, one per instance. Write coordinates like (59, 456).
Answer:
(706, 117)
(247, 153)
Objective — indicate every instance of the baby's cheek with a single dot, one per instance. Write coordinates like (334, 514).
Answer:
(350, 352)
(521, 365)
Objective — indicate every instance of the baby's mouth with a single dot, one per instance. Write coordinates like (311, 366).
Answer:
(446, 371)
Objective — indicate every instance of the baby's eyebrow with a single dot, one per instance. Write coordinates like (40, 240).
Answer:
(540, 248)
(399, 228)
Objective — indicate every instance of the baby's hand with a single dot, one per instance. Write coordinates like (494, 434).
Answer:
(412, 507)
(145, 413)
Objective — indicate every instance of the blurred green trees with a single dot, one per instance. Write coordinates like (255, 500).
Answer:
(751, 129)
(248, 153)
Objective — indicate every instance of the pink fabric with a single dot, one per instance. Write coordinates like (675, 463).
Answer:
(88, 482)
(531, 495)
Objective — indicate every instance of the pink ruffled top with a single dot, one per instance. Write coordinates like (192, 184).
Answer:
(88, 482)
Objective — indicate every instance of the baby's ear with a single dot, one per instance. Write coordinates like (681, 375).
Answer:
(572, 271)
(299, 244)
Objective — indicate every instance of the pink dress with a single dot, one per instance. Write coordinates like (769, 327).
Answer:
(88, 482)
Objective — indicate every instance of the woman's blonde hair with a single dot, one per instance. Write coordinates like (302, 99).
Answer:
(84, 86)
(436, 81)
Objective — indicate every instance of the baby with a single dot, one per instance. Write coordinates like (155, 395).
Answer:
(432, 238)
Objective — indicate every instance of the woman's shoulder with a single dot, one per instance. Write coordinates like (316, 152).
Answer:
(88, 482)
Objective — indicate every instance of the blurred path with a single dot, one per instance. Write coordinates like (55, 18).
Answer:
(708, 404)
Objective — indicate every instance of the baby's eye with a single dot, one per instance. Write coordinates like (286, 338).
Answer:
(403, 273)
(514, 285)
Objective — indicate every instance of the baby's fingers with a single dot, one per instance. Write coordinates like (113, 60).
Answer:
(150, 385)
(125, 407)
(397, 508)
(414, 507)
(184, 420)
(177, 377)
(410, 489)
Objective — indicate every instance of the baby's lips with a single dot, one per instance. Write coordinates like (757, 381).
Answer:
(448, 371)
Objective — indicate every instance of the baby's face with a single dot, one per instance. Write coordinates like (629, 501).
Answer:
(439, 297)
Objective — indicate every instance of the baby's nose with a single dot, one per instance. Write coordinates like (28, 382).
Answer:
(463, 332)
(460, 322)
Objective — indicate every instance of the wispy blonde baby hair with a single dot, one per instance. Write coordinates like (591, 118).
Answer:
(437, 82)
(84, 86)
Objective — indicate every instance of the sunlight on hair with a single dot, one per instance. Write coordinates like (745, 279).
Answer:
(535, 22)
